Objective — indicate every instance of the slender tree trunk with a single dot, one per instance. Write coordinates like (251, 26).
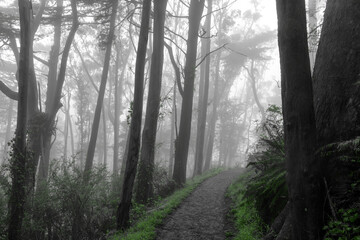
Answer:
(95, 126)
(51, 111)
(303, 173)
(144, 189)
(182, 142)
(252, 79)
(216, 101)
(203, 103)
(117, 102)
(172, 132)
(214, 116)
(104, 136)
(135, 126)
(66, 134)
(118, 95)
(19, 160)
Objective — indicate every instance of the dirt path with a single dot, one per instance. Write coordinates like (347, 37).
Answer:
(202, 214)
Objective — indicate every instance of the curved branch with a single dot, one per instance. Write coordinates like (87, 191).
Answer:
(176, 68)
(8, 92)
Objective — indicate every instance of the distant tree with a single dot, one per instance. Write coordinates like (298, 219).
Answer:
(122, 216)
(19, 154)
(146, 165)
(204, 94)
(303, 176)
(182, 141)
(99, 104)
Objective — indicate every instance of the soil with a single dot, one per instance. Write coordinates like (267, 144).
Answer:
(201, 216)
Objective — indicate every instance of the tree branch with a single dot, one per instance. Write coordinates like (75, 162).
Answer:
(8, 92)
(203, 59)
(176, 68)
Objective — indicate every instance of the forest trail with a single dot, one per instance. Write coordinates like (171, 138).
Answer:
(202, 214)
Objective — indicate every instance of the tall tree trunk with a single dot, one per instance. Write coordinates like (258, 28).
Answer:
(95, 126)
(336, 90)
(135, 126)
(19, 158)
(144, 189)
(336, 74)
(118, 95)
(172, 132)
(51, 111)
(46, 133)
(303, 173)
(216, 100)
(104, 136)
(214, 116)
(203, 102)
(182, 142)
(117, 103)
(252, 79)
(66, 133)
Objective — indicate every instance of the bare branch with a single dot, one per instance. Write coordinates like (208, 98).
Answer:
(203, 59)
(8, 92)
(46, 63)
(176, 68)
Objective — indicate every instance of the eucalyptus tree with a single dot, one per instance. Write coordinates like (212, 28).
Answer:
(303, 176)
(19, 155)
(122, 216)
(204, 93)
(95, 126)
(146, 165)
(182, 141)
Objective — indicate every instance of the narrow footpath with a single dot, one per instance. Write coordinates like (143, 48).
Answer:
(202, 214)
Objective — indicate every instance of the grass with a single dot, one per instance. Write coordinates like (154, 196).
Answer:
(145, 228)
(247, 221)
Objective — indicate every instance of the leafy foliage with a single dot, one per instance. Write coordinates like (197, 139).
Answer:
(66, 205)
(343, 187)
(267, 187)
(247, 221)
(347, 227)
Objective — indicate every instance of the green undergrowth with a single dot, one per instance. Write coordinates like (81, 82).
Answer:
(144, 228)
(247, 221)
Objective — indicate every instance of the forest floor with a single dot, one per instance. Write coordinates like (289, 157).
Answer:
(203, 214)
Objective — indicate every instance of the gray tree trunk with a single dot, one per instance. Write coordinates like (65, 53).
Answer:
(303, 175)
(144, 189)
(135, 126)
(182, 142)
(203, 98)
(95, 126)
(19, 161)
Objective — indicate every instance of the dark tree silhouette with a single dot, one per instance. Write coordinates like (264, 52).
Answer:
(19, 155)
(182, 141)
(146, 165)
(135, 125)
(303, 177)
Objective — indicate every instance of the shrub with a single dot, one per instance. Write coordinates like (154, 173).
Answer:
(67, 207)
(267, 186)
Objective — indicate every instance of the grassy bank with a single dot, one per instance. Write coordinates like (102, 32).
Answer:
(247, 222)
(144, 229)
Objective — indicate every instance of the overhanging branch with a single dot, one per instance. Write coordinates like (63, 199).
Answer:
(8, 92)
